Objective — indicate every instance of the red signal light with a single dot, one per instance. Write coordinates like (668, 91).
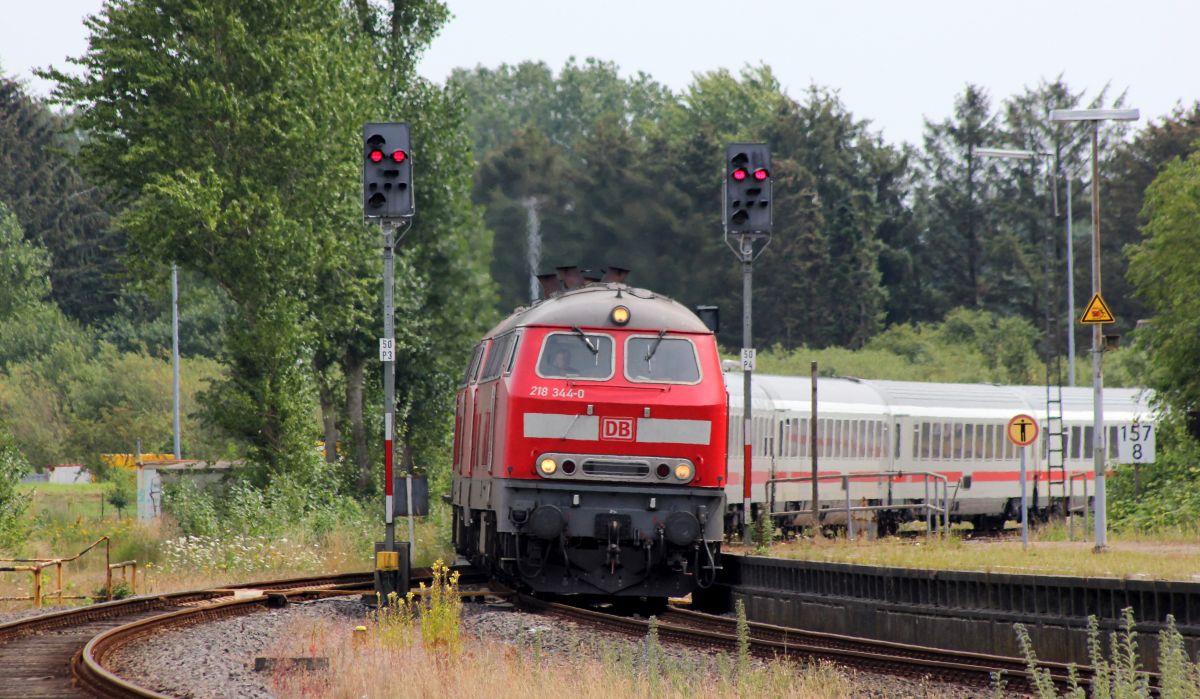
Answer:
(761, 174)
(376, 156)
(399, 156)
(739, 174)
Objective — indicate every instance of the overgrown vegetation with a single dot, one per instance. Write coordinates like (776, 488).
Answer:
(400, 640)
(1118, 673)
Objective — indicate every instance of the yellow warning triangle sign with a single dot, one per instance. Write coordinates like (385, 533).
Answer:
(1097, 312)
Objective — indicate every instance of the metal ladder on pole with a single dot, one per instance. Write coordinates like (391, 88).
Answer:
(1055, 437)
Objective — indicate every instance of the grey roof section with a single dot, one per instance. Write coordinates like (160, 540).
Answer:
(589, 307)
(795, 392)
(903, 397)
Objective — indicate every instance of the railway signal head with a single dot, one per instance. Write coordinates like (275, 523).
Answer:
(748, 188)
(387, 171)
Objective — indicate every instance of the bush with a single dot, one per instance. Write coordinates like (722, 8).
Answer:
(12, 505)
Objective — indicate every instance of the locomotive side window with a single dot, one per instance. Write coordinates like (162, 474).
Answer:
(658, 359)
(499, 357)
(576, 355)
(512, 355)
(473, 364)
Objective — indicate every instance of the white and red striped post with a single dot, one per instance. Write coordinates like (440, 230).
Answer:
(389, 383)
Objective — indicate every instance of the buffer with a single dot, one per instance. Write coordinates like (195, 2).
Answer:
(1097, 312)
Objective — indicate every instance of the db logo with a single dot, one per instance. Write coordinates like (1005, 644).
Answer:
(618, 429)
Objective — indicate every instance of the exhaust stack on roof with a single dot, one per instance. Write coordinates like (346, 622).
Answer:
(615, 274)
(570, 276)
(550, 284)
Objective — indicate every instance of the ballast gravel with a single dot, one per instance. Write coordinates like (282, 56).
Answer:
(216, 660)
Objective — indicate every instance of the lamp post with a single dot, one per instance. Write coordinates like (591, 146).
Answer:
(1094, 117)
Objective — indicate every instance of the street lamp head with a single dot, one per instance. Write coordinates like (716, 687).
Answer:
(1007, 153)
(1094, 115)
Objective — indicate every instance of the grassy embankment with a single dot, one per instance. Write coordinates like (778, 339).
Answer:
(1169, 555)
(64, 519)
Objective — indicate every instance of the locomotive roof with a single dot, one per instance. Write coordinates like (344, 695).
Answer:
(589, 307)
(947, 400)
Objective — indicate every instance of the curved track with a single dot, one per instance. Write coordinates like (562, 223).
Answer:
(61, 654)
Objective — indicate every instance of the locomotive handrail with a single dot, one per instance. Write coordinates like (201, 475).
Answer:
(930, 510)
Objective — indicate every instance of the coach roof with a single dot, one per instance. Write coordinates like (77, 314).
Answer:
(590, 306)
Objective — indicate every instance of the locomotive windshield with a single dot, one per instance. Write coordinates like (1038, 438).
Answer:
(661, 359)
(576, 355)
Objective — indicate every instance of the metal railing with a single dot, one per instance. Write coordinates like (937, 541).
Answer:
(1072, 509)
(37, 565)
(931, 509)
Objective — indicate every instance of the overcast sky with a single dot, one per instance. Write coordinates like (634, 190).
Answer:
(894, 62)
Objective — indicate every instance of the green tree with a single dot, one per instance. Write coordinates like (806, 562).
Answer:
(1131, 169)
(266, 100)
(956, 250)
(444, 295)
(12, 503)
(58, 208)
(24, 268)
(1163, 269)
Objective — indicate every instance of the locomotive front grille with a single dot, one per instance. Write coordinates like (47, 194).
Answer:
(617, 469)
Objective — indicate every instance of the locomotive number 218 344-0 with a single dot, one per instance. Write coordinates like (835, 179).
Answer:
(556, 392)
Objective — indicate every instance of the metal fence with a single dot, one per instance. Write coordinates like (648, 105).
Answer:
(929, 506)
(35, 566)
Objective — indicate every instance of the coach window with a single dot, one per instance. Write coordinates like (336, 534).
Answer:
(926, 440)
(576, 355)
(958, 441)
(659, 359)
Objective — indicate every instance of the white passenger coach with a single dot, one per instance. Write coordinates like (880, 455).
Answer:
(903, 428)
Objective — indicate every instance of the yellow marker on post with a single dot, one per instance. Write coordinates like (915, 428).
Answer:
(1022, 431)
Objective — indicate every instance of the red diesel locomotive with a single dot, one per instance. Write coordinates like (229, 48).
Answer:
(590, 444)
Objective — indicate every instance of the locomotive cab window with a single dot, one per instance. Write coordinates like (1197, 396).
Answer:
(500, 356)
(576, 355)
(661, 359)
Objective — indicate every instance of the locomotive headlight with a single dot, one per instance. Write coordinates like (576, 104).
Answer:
(548, 467)
(683, 472)
(619, 315)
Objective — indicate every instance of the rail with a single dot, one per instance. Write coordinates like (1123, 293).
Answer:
(1072, 509)
(37, 565)
(931, 510)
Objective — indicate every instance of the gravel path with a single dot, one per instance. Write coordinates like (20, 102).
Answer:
(216, 660)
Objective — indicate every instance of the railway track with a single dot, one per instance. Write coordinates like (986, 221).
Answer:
(706, 631)
(62, 654)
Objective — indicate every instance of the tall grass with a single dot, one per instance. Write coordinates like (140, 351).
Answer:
(1118, 673)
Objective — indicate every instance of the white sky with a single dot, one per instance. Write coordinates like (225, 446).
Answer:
(893, 61)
